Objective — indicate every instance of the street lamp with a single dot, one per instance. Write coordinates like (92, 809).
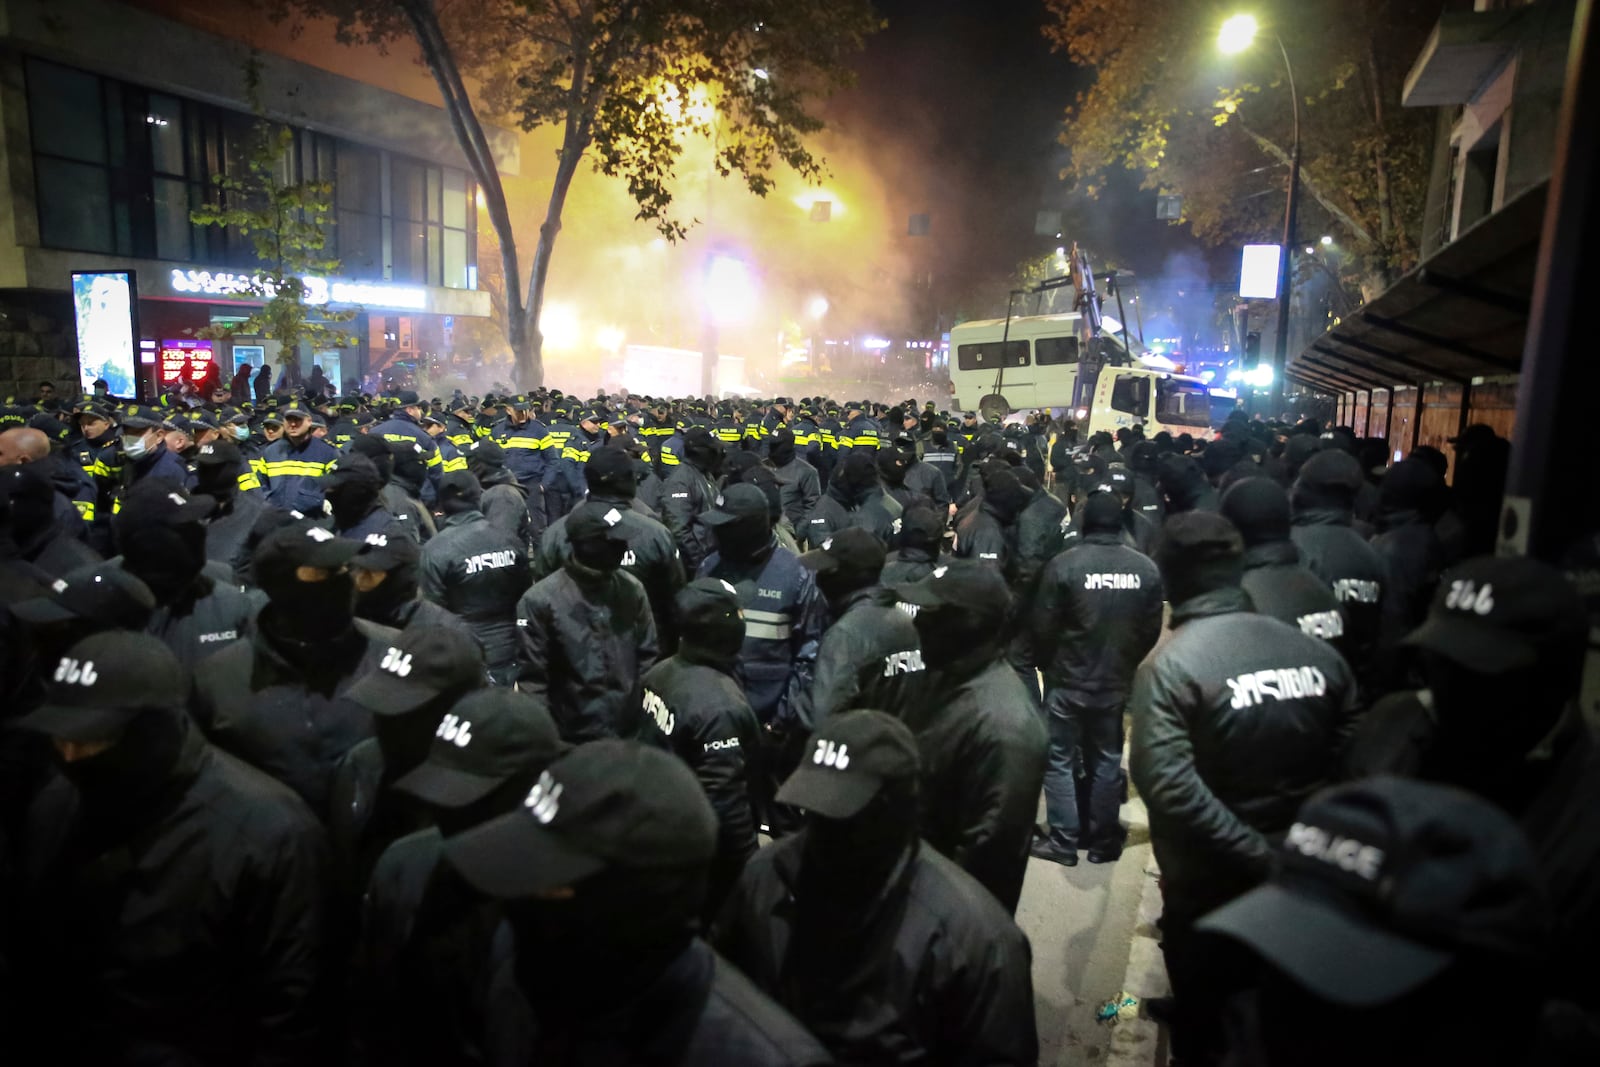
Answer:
(1236, 35)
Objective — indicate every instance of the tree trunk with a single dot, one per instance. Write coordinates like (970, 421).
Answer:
(1392, 243)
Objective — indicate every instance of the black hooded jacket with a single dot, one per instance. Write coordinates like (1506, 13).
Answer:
(279, 704)
(1279, 585)
(843, 506)
(477, 571)
(587, 638)
(1333, 551)
(687, 494)
(943, 975)
(869, 658)
(1239, 718)
(1096, 614)
(183, 924)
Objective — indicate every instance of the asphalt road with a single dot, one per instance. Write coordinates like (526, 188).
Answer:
(1089, 943)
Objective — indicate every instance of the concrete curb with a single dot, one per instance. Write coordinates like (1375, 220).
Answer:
(1141, 1041)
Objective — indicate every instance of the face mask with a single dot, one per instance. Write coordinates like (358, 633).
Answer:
(115, 782)
(241, 433)
(312, 611)
(602, 554)
(743, 538)
(134, 447)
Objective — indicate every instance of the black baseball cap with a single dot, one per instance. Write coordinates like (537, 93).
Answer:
(302, 543)
(605, 804)
(1500, 613)
(594, 521)
(103, 682)
(385, 552)
(157, 503)
(295, 408)
(488, 737)
(740, 501)
(963, 584)
(219, 454)
(1383, 884)
(848, 760)
(462, 486)
(422, 665)
(854, 550)
(104, 593)
(705, 601)
(408, 398)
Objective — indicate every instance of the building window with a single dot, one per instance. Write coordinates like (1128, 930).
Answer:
(118, 168)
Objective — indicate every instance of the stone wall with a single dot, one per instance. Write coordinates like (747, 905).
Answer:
(37, 343)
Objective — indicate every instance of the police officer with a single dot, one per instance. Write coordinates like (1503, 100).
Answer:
(529, 448)
(602, 877)
(801, 485)
(689, 492)
(161, 535)
(428, 940)
(145, 455)
(1241, 717)
(292, 468)
(982, 745)
(1277, 583)
(1096, 615)
(651, 555)
(854, 497)
(865, 932)
(276, 699)
(179, 892)
(477, 571)
(694, 706)
(587, 632)
(404, 426)
(564, 483)
(870, 655)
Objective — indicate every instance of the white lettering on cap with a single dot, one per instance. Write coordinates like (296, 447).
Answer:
(1465, 596)
(74, 673)
(456, 730)
(396, 662)
(317, 533)
(728, 586)
(612, 517)
(939, 572)
(377, 539)
(1345, 853)
(829, 754)
(544, 799)
(177, 498)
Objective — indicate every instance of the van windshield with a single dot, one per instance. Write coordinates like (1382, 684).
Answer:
(1182, 403)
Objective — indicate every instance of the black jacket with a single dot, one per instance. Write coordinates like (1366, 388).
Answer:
(1340, 556)
(983, 752)
(478, 571)
(876, 511)
(980, 535)
(208, 616)
(905, 565)
(694, 707)
(699, 1012)
(686, 495)
(228, 529)
(944, 975)
(1096, 614)
(509, 506)
(1279, 585)
(1038, 538)
(587, 638)
(652, 557)
(869, 658)
(280, 705)
(1237, 719)
(800, 486)
(194, 937)
(784, 616)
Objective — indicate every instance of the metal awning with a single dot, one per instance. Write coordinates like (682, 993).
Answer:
(1460, 315)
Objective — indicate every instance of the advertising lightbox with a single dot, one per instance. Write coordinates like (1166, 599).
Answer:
(105, 308)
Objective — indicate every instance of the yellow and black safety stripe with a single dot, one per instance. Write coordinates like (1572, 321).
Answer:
(248, 481)
(294, 468)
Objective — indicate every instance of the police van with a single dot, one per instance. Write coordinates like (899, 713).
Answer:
(998, 366)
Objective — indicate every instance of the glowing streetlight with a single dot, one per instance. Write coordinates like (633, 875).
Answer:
(1310, 250)
(559, 324)
(1237, 34)
(610, 338)
(1327, 240)
(818, 307)
(760, 73)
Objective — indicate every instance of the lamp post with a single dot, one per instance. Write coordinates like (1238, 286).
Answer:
(1236, 35)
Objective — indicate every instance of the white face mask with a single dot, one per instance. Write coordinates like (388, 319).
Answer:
(241, 432)
(134, 447)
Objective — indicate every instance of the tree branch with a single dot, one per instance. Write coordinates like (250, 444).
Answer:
(1320, 195)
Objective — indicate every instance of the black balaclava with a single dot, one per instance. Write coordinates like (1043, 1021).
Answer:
(940, 436)
(703, 451)
(745, 538)
(1201, 552)
(1411, 489)
(1259, 507)
(220, 481)
(405, 739)
(855, 479)
(507, 796)
(1005, 496)
(352, 490)
(603, 554)
(891, 463)
(460, 492)
(846, 861)
(921, 529)
(375, 449)
(610, 472)
(118, 785)
(949, 635)
(166, 557)
(306, 611)
(1328, 481)
(28, 509)
(838, 583)
(617, 933)
(1102, 514)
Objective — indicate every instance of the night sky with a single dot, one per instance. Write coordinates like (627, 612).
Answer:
(969, 97)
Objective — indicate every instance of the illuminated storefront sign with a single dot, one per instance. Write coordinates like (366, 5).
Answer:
(184, 361)
(319, 291)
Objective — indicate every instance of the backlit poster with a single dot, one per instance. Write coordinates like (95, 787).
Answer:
(105, 305)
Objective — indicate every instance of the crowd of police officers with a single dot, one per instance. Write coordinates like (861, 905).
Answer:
(528, 729)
